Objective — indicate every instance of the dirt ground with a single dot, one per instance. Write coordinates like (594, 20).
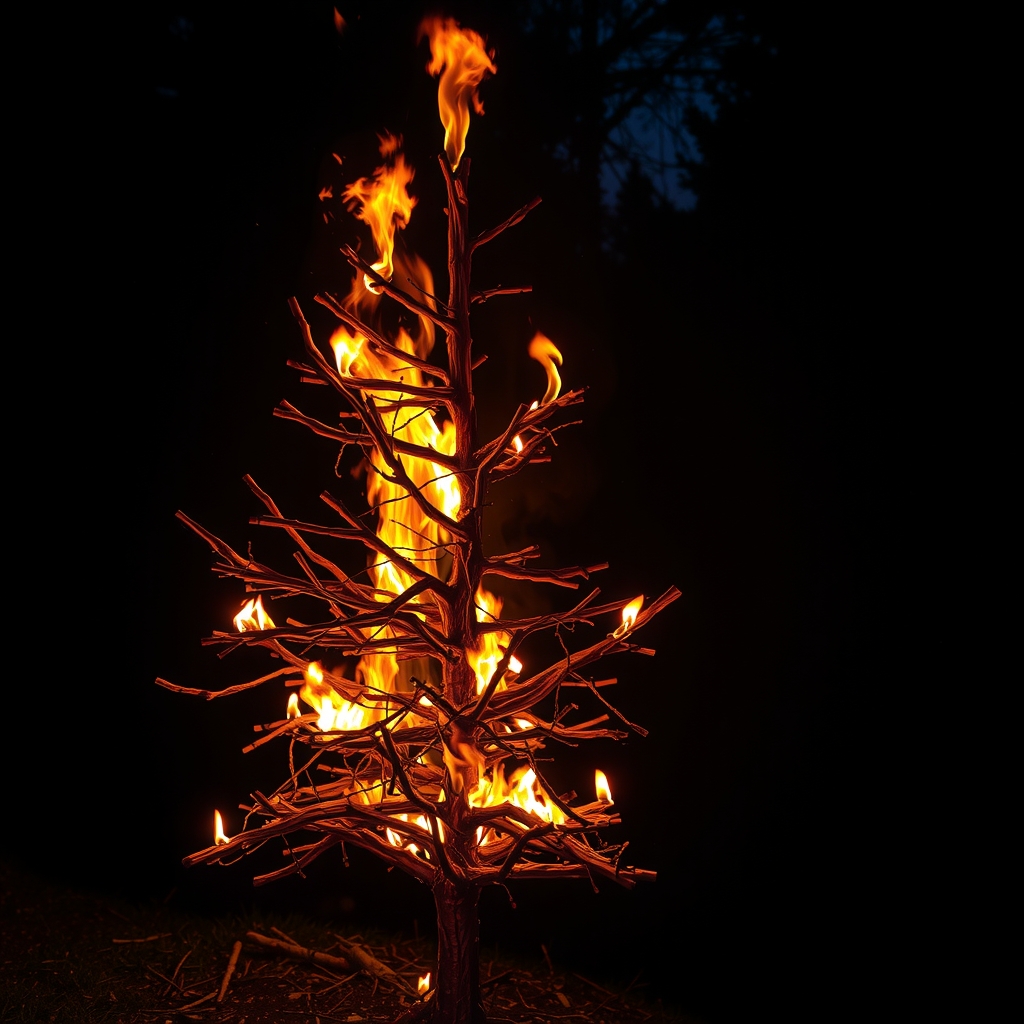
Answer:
(70, 956)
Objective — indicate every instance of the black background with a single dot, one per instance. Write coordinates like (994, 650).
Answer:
(727, 448)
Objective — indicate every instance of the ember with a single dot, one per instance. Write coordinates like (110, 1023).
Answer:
(423, 722)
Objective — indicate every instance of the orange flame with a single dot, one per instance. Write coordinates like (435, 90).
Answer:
(384, 204)
(460, 56)
(523, 789)
(346, 349)
(629, 614)
(543, 350)
(423, 984)
(293, 706)
(335, 713)
(604, 791)
(219, 838)
(252, 616)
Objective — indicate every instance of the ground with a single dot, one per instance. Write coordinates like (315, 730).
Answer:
(70, 957)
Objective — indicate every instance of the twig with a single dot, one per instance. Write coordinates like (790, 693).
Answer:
(198, 1002)
(487, 236)
(592, 984)
(373, 966)
(298, 952)
(488, 293)
(232, 963)
(547, 959)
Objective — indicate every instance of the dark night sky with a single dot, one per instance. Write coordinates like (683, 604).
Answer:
(726, 341)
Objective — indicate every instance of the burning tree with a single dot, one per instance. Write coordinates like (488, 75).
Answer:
(424, 752)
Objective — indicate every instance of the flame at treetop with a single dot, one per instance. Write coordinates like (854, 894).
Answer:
(460, 56)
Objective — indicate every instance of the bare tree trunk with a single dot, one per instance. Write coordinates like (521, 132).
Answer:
(457, 995)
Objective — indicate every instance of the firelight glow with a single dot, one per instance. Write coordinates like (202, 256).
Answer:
(604, 791)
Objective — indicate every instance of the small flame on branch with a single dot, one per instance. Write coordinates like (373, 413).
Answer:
(543, 350)
(460, 56)
(252, 616)
(293, 706)
(629, 614)
(219, 837)
(423, 984)
(604, 791)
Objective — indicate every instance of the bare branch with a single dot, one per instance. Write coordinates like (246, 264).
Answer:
(228, 690)
(489, 293)
(397, 294)
(377, 340)
(487, 236)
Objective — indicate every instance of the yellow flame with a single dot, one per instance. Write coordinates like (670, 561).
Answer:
(334, 711)
(629, 614)
(346, 349)
(293, 706)
(543, 350)
(219, 838)
(399, 842)
(383, 202)
(484, 660)
(460, 57)
(463, 760)
(252, 616)
(604, 791)
(423, 984)
(523, 789)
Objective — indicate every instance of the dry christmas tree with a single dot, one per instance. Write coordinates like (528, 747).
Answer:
(415, 727)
